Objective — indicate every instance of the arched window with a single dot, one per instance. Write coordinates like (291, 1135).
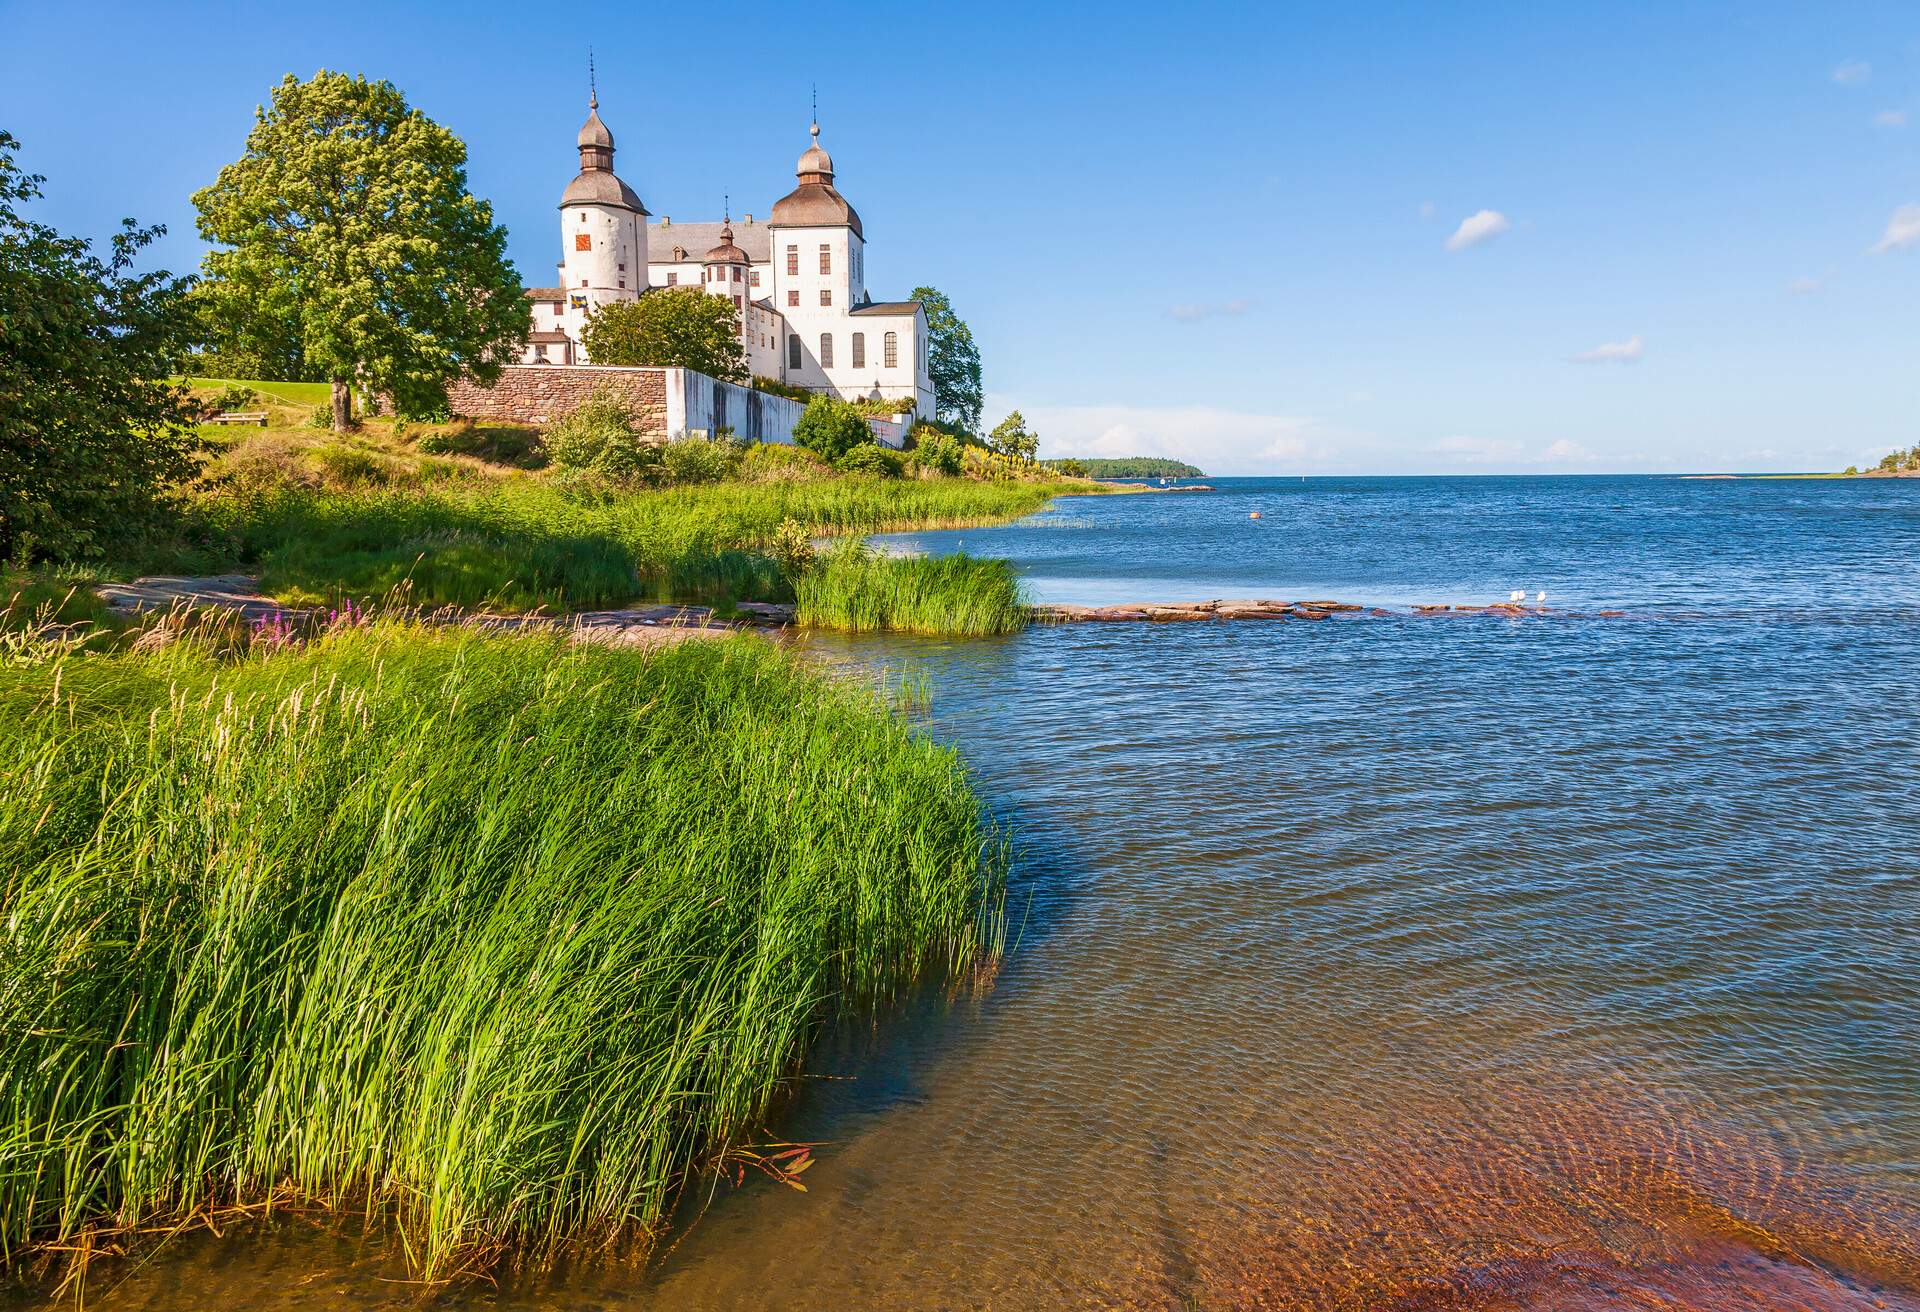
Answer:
(793, 351)
(859, 350)
(826, 350)
(890, 350)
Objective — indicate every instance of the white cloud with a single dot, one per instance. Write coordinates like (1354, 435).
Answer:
(1476, 228)
(1477, 450)
(1218, 440)
(1426, 209)
(1803, 286)
(1614, 352)
(1567, 451)
(1903, 230)
(1890, 118)
(1853, 73)
(1193, 313)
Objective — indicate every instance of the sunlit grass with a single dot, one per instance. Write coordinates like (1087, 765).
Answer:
(857, 591)
(506, 937)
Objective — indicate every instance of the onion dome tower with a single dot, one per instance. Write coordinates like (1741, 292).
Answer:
(603, 233)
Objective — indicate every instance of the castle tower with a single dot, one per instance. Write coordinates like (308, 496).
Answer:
(724, 272)
(818, 257)
(603, 229)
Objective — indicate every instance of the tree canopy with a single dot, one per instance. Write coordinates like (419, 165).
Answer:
(670, 326)
(349, 235)
(830, 428)
(953, 360)
(1012, 438)
(91, 433)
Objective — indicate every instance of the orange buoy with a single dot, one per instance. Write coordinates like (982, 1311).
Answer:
(1253, 514)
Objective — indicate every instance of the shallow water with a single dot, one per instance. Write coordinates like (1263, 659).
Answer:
(1382, 962)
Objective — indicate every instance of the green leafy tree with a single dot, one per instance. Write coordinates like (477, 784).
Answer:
(936, 452)
(681, 326)
(350, 236)
(91, 434)
(830, 428)
(953, 360)
(1012, 438)
(1070, 467)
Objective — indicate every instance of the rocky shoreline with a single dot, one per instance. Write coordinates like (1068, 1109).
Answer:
(1263, 609)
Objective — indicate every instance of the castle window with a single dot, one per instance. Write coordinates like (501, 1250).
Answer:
(673, 280)
(623, 282)
(793, 297)
(826, 258)
(623, 268)
(826, 297)
(890, 350)
(826, 350)
(793, 259)
(793, 351)
(558, 309)
(736, 300)
(754, 278)
(859, 350)
(540, 353)
(736, 274)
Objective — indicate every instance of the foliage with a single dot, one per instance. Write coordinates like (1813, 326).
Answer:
(792, 548)
(91, 431)
(774, 387)
(505, 937)
(602, 434)
(858, 591)
(830, 428)
(1127, 467)
(1012, 439)
(503, 444)
(702, 459)
(1070, 467)
(872, 460)
(667, 327)
(953, 361)
(880, 407)
(1898, 462)
(38, 598)
(939, 454)
(235, 396)
(347, 224)
(777, 460)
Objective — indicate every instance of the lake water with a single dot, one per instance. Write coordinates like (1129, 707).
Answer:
(1469, 962)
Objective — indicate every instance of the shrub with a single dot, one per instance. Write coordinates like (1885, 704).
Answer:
(939, 454)
(768, 462)
(873, 459)
(774, 387)
(702, 459)
(235, 397)
(792, 548)
(503, 444)
(830, 428)
(602, 434)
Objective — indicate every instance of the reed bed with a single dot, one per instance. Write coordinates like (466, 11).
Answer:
(855, 590)
(503, 938)
(524, 543)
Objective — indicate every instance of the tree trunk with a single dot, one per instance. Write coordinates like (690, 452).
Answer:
(342, 406)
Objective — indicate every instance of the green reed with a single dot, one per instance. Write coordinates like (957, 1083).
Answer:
(524, 543)
(505, 938)
(856, 590)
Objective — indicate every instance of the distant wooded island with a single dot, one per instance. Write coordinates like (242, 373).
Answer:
(1124, 467)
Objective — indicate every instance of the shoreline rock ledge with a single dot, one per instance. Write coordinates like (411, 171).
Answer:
(1263, 609)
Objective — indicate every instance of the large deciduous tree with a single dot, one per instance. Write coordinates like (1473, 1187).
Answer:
(91, 431)
(953, 360)
(1012, 438)
(349, 231)
(670, 326)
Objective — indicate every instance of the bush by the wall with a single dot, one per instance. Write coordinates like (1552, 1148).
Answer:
(830, 428)
(602, 434)
(873, 459)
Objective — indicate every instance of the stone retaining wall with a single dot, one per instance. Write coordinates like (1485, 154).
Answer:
(541, 393)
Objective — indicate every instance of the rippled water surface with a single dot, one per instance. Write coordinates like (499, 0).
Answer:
(1379, 962)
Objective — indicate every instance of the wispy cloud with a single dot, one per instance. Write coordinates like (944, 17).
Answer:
(1426, 209)
(1890, 118)
(1220, 441)
(1614, 352)
(1903, 230)
(1476, 228)
(1567, 451)
(1803, 286)
(1853, 73)
(1195, 312)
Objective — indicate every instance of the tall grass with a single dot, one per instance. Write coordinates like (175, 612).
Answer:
(523, 543)
(853, 589)
(504, 937)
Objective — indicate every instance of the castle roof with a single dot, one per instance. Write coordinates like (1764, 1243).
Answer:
(814, 203)
(601, 187)
(726, 252)
(593, 132)
(662, 238)
(886, 307)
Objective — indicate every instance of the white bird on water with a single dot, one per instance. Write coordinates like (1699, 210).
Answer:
(1540, 596)
(1517, 594)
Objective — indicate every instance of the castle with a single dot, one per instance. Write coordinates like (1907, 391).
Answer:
(797, 281)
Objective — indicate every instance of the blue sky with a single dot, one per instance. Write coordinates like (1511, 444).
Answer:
(1218, 232)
